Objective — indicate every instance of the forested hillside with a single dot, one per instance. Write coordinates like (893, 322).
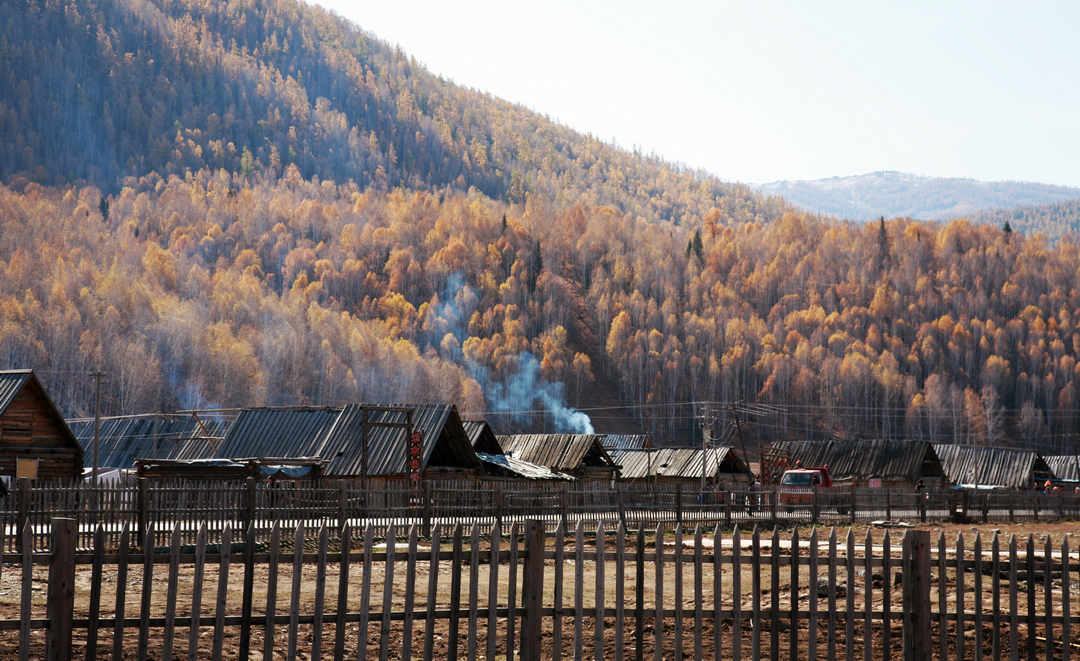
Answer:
(229, 204)
(895, 194)
(1053, 220)
(96, 91)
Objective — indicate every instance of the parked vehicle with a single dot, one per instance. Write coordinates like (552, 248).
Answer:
(797, 485)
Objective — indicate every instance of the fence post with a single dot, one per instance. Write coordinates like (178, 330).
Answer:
(1035, 504)
(427, 508)
(853, 501)
(342, 503)
(562, 502)
(678, 503)
(815, 507)
(61, 594)
(22, 515)
(250, 485)
(774, 505)
(622, 507)
(1061, 504)
(888, 503)
(918, 644)
(143, 504)
(922, 505)
(1012, 506)
(729, 495)
(532, 592)
(499, 504)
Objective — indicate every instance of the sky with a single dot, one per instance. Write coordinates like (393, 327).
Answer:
(766, 91)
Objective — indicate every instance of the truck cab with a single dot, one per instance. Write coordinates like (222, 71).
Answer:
(797, 484)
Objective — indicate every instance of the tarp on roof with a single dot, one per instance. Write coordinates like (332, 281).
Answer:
(521, 468)
(683, 463)
(559, 452)
(626, 442)
(891, 460)
(155, 436)
(1007, 467)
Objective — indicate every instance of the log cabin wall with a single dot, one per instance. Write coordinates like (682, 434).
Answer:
(32, 428)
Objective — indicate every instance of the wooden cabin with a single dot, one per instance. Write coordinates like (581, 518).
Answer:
(33, 435)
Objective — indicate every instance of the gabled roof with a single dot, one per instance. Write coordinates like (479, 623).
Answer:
(627, 442)
(12, 382)
(482, 437)
(894, 460)
(559, 452)
(154, 436)
(1064, 466)
(1006, 467)
(336, 435)
(683, 463)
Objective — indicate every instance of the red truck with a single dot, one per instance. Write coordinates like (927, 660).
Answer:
(797, 484)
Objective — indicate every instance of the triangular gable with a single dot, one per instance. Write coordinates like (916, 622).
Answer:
(14, 382)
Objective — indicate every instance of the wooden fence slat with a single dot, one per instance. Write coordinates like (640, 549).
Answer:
(223, 592)
(736, 594)
(639, 594)
(849, 621)
(271, 591)
(388, 592)
(196, 591)
(960, 599)
(678, 589)
(492, 629)
(995, 598)
(886, 586)
(294, 594)
(868, 601)
(171, 595)
(343, 589)
(1066, 606)
(1048, 591)
(977, 591)
(1032, 622)
(511, 619)
(830, 652)
(320, 595)
(95, 592)
(432, 594)
(658, 622)
(579, 583)
(812, 580)
(943, 608)
(620, 587)
(774, 593)
(121, 591)
(600, 602)
(455, 596)
(718, 598)
(557, 593)
(365, 592)
(755, 562)
(146, 591)
(1014, 615)
(249, 576)
(27, 582)
(474, 590)
(793, 642)
(699, 608)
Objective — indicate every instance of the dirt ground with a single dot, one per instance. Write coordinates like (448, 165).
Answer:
(310, 580)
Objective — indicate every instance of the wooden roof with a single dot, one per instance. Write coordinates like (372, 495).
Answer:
(559, 452)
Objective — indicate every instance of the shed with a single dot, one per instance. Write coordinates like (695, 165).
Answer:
(32, 430)
(1004, 467)
(337, 435)
(482, 436)
(579, 455)
(894, 462)
(500, 465)
(681, 465)
(124, 439)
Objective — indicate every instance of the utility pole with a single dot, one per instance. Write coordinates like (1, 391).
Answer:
(97, 423)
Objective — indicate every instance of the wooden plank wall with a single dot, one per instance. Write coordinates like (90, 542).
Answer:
(596, 592)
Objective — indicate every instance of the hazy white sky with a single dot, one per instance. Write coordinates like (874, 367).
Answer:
(763, 91)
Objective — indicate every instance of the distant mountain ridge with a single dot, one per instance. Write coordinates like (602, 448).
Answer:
(899, 195)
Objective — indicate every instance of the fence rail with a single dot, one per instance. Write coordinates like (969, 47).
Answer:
(156, 506)
(581, 592)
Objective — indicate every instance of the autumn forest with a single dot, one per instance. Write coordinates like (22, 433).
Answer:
(227, 204)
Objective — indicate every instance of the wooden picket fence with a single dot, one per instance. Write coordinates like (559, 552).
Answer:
(518, 593)
(161, 505)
